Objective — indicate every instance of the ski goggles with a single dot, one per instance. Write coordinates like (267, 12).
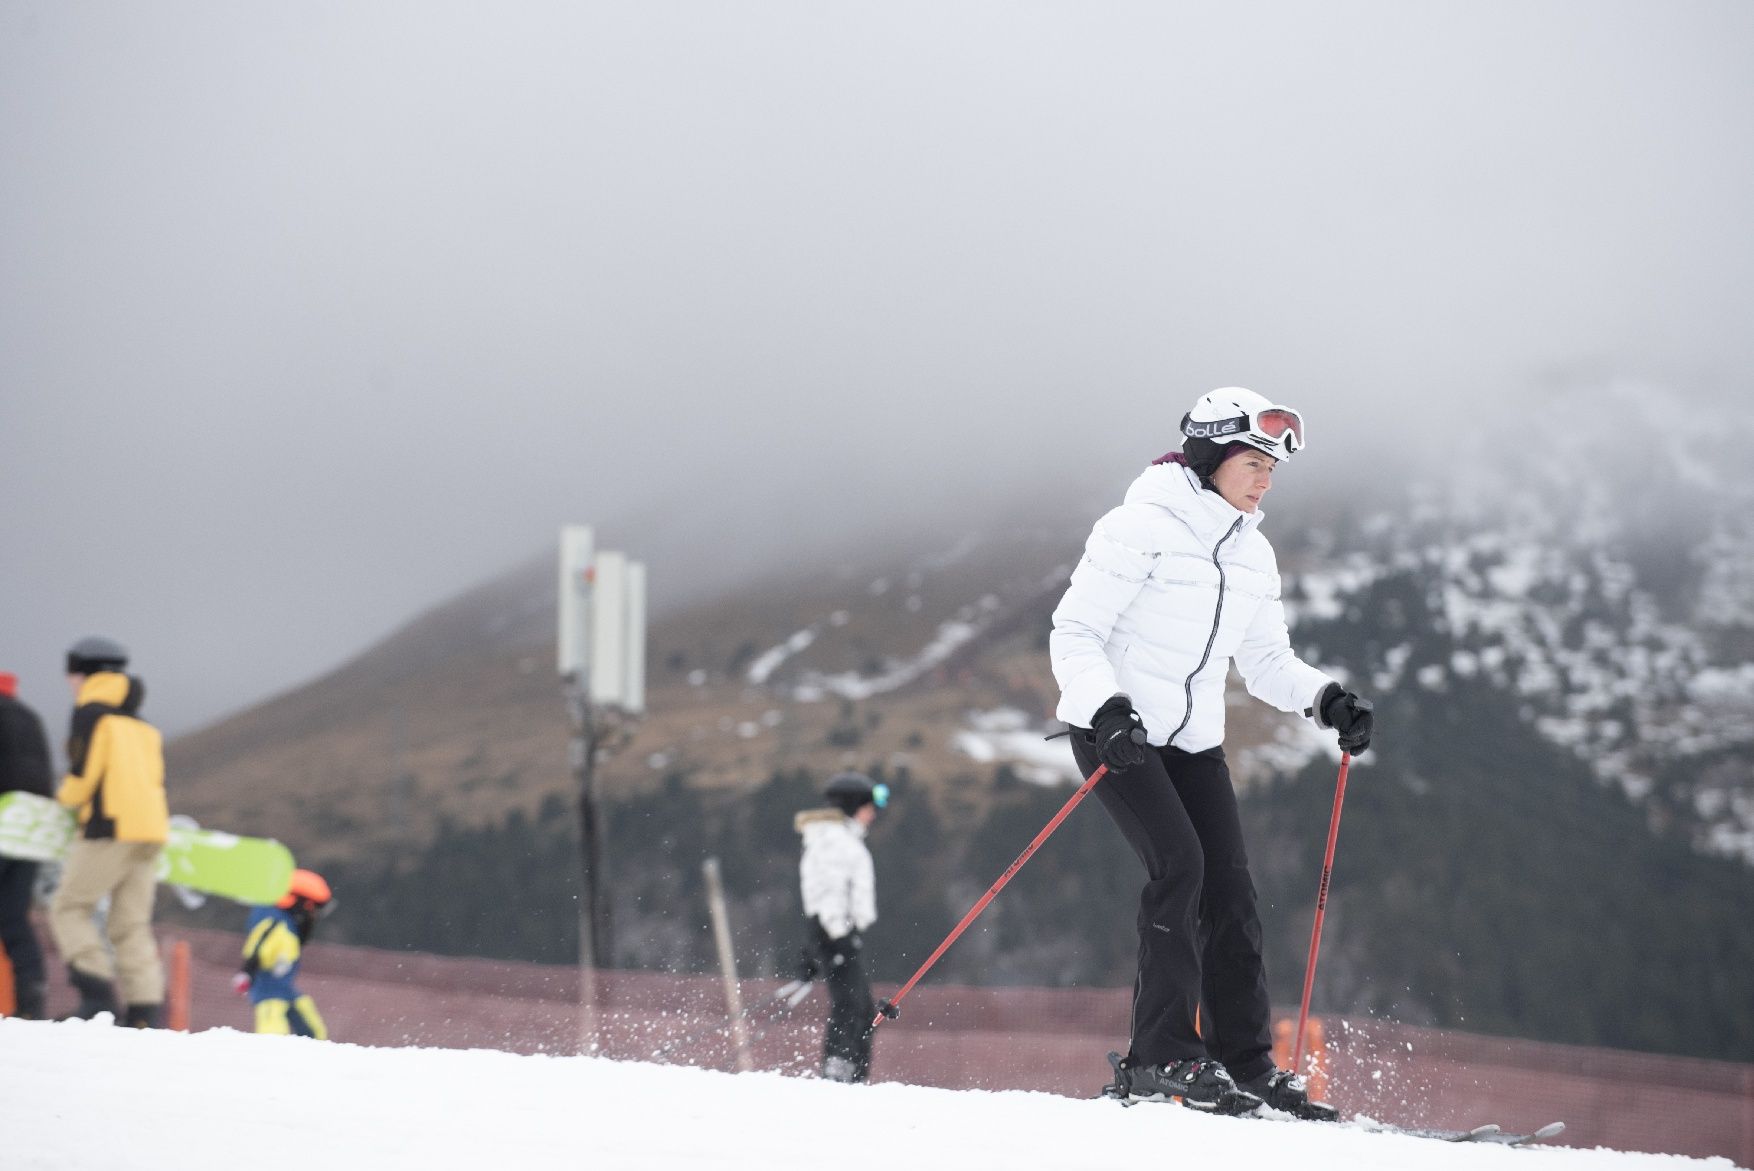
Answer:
(1272, 427)
(880, 795)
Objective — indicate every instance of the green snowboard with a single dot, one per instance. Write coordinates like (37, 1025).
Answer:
(250, 870)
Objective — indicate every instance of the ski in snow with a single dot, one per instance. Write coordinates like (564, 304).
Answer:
(1489, 1133)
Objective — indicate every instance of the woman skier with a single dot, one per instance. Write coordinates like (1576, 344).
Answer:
(1175, 584)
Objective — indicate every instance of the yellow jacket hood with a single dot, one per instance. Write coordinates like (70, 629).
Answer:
(109, 688)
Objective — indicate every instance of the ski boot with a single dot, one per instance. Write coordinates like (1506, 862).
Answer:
(1283, 1090)
(143, 1016)
(96, 995)
(1198, 1083)
(28, 1001)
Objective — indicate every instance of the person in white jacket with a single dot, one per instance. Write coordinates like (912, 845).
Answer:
(839, 886)
(1175, 585)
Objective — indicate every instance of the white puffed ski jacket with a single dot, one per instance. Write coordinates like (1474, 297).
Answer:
(835, 874)
(1174, 584)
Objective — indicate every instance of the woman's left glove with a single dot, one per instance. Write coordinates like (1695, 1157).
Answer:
(1348, 715)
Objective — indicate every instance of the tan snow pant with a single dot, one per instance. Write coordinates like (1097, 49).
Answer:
(128, 873)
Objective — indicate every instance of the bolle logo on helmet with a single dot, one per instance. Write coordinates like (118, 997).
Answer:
(1278, 431)
(1196, 429)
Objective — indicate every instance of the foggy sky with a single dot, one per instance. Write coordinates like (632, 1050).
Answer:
(314, 314)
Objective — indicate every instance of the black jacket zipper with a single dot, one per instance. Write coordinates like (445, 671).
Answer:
(1217, 613)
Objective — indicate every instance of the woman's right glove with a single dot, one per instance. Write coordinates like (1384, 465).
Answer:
(1118, 734)
(1348, 715)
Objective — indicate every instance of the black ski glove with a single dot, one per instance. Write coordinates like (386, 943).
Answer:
(1348, 715)
(809, 965)
(1118, 734)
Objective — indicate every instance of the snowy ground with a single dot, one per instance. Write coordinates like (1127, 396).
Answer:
(77, 1096)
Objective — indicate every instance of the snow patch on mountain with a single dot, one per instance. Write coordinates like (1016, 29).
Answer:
(1589, 597)
(814, 686)
(769, 660)
(1009, 735)
(1293, 744)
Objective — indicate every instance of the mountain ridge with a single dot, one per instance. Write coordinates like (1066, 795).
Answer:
(1547, 677)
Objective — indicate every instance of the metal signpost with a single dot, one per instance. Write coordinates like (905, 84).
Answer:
(601, 657)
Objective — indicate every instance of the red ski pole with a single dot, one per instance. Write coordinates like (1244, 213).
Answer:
(890, 1006)
(1315, 935)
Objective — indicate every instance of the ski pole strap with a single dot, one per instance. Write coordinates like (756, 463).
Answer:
(892, 1006)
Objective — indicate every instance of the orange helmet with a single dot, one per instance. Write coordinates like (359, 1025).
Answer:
(307, 885)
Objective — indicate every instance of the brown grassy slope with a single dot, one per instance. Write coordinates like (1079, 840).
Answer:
(460, 714)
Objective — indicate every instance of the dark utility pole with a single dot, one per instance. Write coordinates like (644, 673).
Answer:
(601, 656)
(595, 946)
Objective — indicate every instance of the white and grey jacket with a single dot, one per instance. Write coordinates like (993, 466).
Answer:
(835, 873)
(1174, 584)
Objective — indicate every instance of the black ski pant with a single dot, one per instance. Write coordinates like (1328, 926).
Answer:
(851, 1010)
(16, 936)
(1199, 934)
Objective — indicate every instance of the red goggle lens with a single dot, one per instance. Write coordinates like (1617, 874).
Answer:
(1275, 423)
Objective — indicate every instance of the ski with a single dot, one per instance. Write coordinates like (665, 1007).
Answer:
(1491, 1132)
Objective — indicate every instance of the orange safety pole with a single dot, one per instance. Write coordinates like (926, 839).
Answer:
(177, 1002)
(1318, 1060)
(8, 997)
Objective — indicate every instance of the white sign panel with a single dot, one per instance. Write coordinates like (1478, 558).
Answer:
(609, 629)
(575, 597)
(602, 635)
(634, 699)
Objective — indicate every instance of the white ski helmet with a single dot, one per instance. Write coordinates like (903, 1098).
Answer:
(1232, 414)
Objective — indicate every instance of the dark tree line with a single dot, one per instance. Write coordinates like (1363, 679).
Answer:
(1486, 879)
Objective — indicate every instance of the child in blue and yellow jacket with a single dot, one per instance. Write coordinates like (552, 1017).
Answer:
(273, 946)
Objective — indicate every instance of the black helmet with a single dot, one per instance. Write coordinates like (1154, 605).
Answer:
(88, 656)
(848, 791)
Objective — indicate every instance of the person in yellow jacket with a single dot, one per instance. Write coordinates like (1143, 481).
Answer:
(274, 942)
(115, 781)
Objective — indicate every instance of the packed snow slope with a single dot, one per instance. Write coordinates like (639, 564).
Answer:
(81, 1096)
